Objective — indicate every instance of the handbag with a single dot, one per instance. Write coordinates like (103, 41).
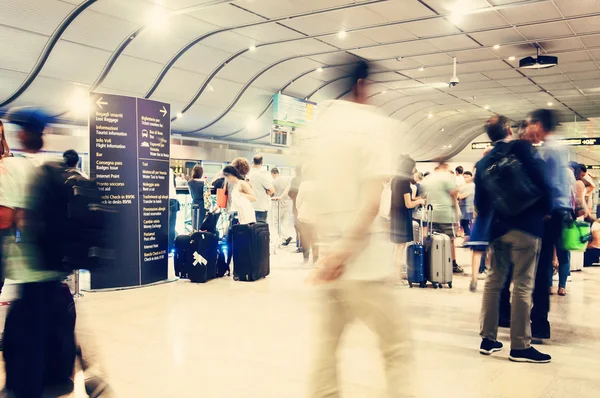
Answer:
(222, 198)
(576, 235)
(385, 204)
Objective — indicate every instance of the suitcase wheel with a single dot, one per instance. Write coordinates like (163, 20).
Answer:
(423, 285)
(440, 286)
(410, 284)
(435, 285)
(450, 285)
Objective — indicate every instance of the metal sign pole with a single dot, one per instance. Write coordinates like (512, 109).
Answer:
(76, 288)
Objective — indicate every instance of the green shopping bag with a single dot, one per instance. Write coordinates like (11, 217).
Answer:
(576, 235)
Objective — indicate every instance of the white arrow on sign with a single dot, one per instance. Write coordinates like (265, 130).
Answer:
(163, 111)
(100, 102)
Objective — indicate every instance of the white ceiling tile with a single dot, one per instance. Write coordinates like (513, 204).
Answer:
(135, 11)
(585, 76)
(574, 56)
(450, 43)
(158, 49)
(10, 81)
(472, 55)
(387, 34)
(433, 60)
(502, 36)
(122, 78)
(313, 25)
(335, 58)
(24, 48)
(545, 31)
(445, 6)
(241, 70)
(65, 62)
(386, 77)
(355, 17)
(557, 86)
(505, 74)
(554, 77)
(225, 15)
(411, 9)
(278, 8)
(578, 67)
(471, 77)
(571, 8)
(180, 85)
(484, 66)
(515, 82)
(430, 28)
(40, 16)
(402, 64)
(268, 33)
(412, 48)
(530, 13)
(482, 20)
(202, 59)
(565, 93)
(585, 25)
(352, 40)
(380, 52)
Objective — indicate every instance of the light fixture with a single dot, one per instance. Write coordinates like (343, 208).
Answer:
(421, 69)
(252, 125)
(430, 115)
(550, 104)
(456, 17)
(179, 115)
(342, 34)
(442, 129)
(211, 88)
(252, 48)
(540, 62)
(156, 20)
(511, 58)
(384, 91)
(497, 47)
(78, 102)
(487, 107)
(319, 69)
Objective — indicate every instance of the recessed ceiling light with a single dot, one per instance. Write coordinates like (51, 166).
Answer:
(430, 115)
(179, 115)
(456, 17)
(442, 129)
(550, 104)
(421, 69)
(342, 34)
(384, 91)
(319, 69)
(497, 47)
(511, 58)
(252, 48)
(252, 125)
(486, 107)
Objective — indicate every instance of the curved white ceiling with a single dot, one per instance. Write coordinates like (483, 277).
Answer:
(200, 59)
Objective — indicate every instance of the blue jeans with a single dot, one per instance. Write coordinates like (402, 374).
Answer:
(564, 267)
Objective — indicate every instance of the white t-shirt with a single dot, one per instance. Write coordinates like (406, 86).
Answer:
(437, 187)
(261, 180)
(347, 145)
(172, 190)
(16, 176)
(305, 202)
(459, 180)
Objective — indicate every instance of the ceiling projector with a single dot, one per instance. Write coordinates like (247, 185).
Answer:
(539, 62)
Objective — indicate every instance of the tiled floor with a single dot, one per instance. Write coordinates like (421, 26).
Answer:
(231, 339)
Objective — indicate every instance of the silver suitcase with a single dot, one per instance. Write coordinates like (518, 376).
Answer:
(438, 257)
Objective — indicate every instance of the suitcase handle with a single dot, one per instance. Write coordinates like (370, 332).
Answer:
(429, 219)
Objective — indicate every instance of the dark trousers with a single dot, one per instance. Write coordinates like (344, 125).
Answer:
(591, 257)
(3, 234)
(261, 216)
(541, 294)
(173, 210)
(39, 339)
(466, 226)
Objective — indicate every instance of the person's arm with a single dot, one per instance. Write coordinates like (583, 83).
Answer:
(268, 185)
(247, 192)
(300, 197)
(537, 171)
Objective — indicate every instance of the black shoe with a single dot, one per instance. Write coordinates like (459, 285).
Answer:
(504, 323)
(540, 333)
(287, 241)
(457, 269)
(299, 250)
(530, 355)
(488, 347)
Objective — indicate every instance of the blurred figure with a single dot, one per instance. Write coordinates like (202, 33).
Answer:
(71, 161)
(283, 216)
(174, 207)
(515, 243)
(262, 184)
(466, 197)
(4, 148)
(39, 334)
(418, 180)
(180, 180)
(241, 195)
(459, 178)
(401, 219)
(6, 214)
(350, 139)
(292, 193)
(440, 191)
(196, 187)
(307, 203)
(542, 123)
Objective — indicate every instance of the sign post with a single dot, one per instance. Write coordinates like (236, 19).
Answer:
(129, 157)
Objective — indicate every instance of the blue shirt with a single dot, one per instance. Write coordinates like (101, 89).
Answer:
(559, 174)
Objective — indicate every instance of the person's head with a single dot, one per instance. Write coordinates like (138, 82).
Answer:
(406, 167)
(32, 122)
(442, 167)
(459, 170)
(426, 174)
(71, 158)
(197, 172)
(275, 172)
(242, 166)
(257, 161)
(358, 82)
(4, 149)
(468, 176)
(418, 177)
(232, 174)
(498, 128)
(541, 123)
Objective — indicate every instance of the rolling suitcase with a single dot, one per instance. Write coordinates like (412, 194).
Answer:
(182, 250)
(415, 259)
(251, 251)
(202, 258)
(438, 256)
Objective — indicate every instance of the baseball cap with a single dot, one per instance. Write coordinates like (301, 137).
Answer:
(32, 119)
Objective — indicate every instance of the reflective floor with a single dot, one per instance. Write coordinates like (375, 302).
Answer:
(251, 340)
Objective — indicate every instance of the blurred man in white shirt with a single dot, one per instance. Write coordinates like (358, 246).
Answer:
(262, 185)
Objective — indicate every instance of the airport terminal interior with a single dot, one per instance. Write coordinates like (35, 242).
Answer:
(159, 97)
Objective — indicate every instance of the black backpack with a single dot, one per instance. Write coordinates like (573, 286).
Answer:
(73, 226)
(508, 184)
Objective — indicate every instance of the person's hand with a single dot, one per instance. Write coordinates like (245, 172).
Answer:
(331, 267)
(555, 263)
(421, 202)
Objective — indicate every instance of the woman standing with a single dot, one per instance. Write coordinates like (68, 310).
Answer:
(241, 195)
(401, 227)
(196, 187)
(6, 214)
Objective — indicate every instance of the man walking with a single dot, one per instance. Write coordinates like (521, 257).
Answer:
(262, 184)
(514, 239)
(283, 216)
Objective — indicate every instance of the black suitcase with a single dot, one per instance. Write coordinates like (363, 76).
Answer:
(182, 251)
(202, 257)
(251, 251)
